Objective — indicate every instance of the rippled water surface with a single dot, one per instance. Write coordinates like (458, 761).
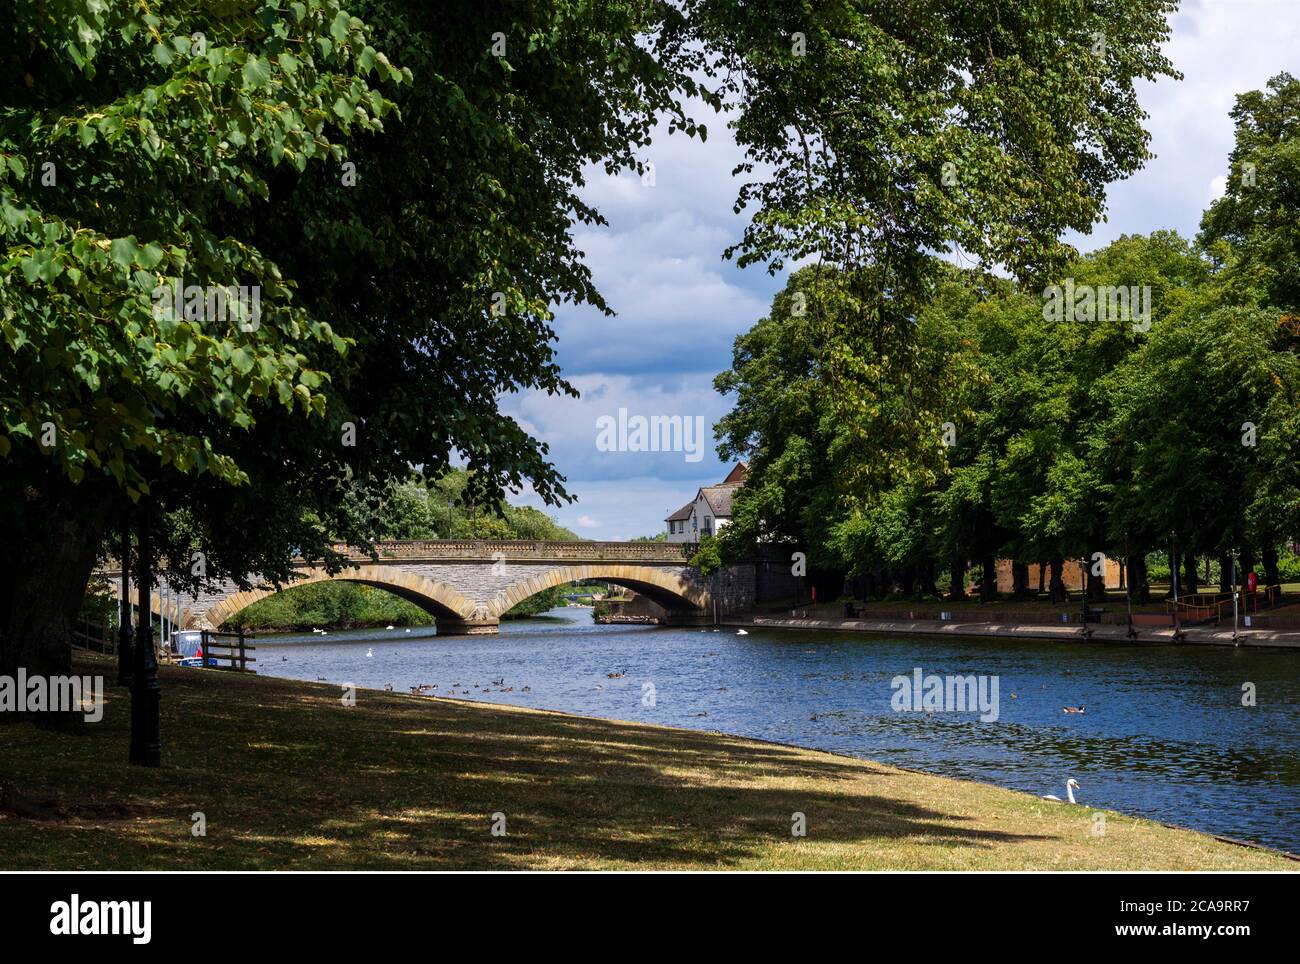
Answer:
(1164, 734)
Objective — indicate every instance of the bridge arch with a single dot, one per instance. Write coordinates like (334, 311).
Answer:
(435, 598)
(665, 587)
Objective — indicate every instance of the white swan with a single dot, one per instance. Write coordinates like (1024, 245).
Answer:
(1070, 786)
(390, 627)
(370, 653)
(742, 632)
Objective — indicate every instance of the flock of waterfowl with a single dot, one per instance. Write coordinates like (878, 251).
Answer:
(428, 689)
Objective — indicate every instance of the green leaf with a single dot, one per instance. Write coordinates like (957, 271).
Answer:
(242, 361)
(339, 28)
(125, 251)
(150, 255)
(13, 216)
(257, 73)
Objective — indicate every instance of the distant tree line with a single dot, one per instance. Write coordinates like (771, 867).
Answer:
(1145, 397)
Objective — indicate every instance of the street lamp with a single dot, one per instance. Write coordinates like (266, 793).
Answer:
(146, 741)
(1128, 585)
(1083, 592)
(1236, 640)
(1173, 570)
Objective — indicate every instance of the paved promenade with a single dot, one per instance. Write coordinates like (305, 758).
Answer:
(1200, 635)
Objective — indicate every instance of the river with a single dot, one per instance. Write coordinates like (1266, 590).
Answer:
(1164, 735)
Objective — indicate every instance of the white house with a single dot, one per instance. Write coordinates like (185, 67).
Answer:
(709, 511)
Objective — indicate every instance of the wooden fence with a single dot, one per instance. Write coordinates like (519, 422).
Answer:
(96, 637)
(231, 648)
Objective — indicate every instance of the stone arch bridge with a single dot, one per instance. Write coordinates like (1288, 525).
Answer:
(467, 585)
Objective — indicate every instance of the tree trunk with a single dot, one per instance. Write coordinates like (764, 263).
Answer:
(1270, 566)
(1042, 577)
(1096, 584)
(1190, 585)
(1057, 585)
(988, 578)
(907, 580)
(1020, 579)
(957, 579)
(1225, 573)
(54, 557)
(926, 575)
(1138, 589)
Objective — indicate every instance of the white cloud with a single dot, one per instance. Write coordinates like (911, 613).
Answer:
(1223, 48)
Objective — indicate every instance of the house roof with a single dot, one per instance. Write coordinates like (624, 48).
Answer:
(683, 513)
(718, 498)
(738, 474)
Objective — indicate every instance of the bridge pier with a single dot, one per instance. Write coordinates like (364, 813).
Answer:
(485, 626)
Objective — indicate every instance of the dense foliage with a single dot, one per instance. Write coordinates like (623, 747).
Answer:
(1168, 419)
(398, 181)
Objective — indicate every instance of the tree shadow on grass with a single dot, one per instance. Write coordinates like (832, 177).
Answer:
(286, 776)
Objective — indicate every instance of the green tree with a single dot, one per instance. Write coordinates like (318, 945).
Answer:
(1252, 228)
(407, 275)
(128, 139)
(886, 132)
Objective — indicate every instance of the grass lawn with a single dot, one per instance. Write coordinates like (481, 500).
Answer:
(289, 778)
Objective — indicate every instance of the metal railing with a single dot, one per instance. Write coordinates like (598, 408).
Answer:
(1217, 606)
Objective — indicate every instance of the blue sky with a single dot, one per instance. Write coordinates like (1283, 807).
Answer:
(680, 305)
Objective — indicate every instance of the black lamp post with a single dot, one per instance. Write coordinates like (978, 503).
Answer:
(125, 633)
(146, 696)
